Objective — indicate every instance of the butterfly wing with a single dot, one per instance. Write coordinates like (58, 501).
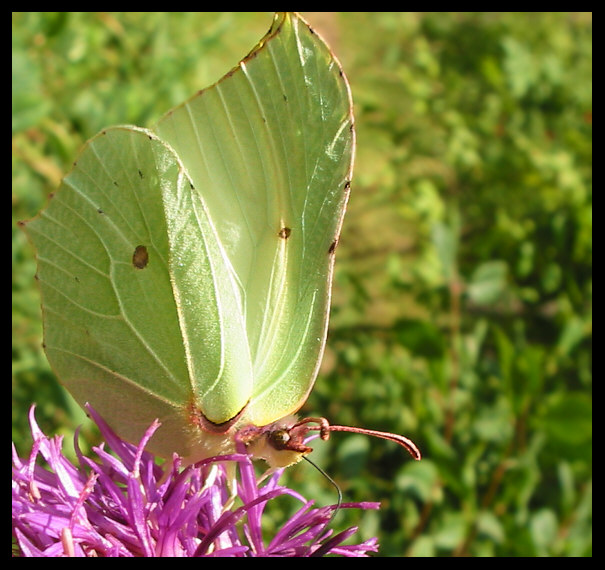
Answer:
(269, 148)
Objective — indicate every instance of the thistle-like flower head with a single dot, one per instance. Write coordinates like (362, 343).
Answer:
(123, 504)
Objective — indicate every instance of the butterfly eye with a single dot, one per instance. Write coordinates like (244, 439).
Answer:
(280, 438)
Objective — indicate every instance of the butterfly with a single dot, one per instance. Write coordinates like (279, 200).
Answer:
(186, 270)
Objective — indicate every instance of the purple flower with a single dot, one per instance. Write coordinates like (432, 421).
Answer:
(124, 505)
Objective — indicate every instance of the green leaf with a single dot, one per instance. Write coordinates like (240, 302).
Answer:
(446, 239)
(567, 418)
(544, 529)
(488, 282)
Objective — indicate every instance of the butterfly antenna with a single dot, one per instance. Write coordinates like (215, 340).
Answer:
(334, 484)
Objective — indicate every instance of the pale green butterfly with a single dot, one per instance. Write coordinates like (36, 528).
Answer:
(186, 271)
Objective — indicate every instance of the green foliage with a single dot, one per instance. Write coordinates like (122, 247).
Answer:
(462, 309)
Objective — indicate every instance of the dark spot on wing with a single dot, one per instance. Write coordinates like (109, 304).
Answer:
(284, 233)
(140, 257)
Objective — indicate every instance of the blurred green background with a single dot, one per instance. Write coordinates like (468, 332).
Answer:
(462, 311)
